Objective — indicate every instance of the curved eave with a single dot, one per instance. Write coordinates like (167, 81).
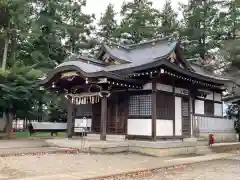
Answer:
(196, 75)
(82, 73)
(165, 62)
(231, 99)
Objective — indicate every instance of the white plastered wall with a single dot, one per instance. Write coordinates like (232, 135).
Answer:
(199, 106)
(178, 116)
(139, 127)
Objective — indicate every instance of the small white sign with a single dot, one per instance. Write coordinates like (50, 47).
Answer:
(81, 124)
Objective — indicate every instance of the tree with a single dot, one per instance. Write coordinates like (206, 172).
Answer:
(202, 31)
(43, 47)
(231, 43)
(169, 21)
(17, 91)
(56, 110)
(14, 23)
(231, 50)
(140, 22)
(108, 24)
(78, 26)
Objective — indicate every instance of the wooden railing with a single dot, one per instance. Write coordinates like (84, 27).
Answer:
(211, 124)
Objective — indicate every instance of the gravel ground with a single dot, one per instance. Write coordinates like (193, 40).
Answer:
(212, 170)
(84, 164)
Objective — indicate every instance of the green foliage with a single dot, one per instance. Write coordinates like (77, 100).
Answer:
(108, 24)
(16, 88)
(232, 113)
(169, 22)
(140, 21)
(15, 22)
(78, 26)
(232, 54)
(202, 28)
(56, 110)
(236, 126)
(231, 46)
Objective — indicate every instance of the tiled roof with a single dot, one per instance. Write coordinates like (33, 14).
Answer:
(137, 57)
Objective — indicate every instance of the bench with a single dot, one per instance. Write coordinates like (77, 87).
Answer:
(52, 127)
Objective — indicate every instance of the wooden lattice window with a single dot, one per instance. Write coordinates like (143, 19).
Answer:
(140, 105)
(165, 106)
(208, 108)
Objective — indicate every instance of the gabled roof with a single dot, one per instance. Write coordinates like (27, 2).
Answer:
(137, 57)
(142, 52)
(139, 53)
(201, 70)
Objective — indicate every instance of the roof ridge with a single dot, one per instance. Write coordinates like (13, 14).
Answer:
(89, 59)
(116, 44)
(131, 46)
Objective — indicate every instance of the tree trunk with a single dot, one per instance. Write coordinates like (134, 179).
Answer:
(204, 30)
(5, 52)
(234, 20)
(9, 119)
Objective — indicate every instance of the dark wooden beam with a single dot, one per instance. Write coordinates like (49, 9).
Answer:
(238, 121)
(103, 118)
(154, 110)
(70, 109)
(174, 120)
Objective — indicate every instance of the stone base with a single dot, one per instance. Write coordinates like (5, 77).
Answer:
(192, 139)
(220, 136)
(225, 147)
(161, 152)
(108, 137)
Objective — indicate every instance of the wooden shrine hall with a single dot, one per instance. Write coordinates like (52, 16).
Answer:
(143, 91)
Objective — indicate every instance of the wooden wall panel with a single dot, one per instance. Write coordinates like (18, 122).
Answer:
(96, 117)
(165, 106)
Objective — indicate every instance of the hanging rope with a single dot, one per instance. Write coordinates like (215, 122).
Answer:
(84, 98)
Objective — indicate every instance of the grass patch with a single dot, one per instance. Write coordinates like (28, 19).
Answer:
(38, 134)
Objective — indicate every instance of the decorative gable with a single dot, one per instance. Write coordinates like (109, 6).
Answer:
(109, 60)
(173, 59)
(106, 57)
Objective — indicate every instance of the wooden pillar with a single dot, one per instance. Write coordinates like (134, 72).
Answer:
(103, 118)
(154, 111)
(70, 108)
(238, 103)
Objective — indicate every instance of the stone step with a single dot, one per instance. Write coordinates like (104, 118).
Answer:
(201, 139)
(202, 143)
(109, 137)
(203, 150)
(202, 147)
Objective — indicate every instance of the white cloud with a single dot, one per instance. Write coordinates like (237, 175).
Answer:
(98, 7)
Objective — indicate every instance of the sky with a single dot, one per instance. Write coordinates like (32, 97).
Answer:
(98, 7)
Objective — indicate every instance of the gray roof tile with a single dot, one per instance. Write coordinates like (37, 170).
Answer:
(205, 72)
(143, 55)
(86, 67)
